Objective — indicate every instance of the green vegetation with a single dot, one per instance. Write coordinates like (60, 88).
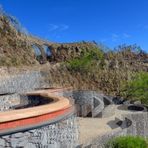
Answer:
(87, 62)
(110, 72)
(137, 89)
(127, 142)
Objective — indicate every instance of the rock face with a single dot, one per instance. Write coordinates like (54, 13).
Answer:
(14, 47)
(63, 52)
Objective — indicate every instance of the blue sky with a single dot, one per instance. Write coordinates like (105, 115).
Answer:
(111, 22)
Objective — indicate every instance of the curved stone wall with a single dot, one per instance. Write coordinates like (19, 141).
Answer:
(89, 103)
(49, 124)
(62, 134)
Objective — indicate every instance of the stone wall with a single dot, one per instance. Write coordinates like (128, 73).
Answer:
(89, 103)
(8, 101)
(20, 83)
(139, 125)
(63, 52)
(13, 85)
(62, 134)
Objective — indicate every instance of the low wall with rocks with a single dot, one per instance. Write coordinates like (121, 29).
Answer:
(139, 126)
(61, 132)
(23, 82)
(8, 101)
(17, 101)
(58, 135)
(12, 85)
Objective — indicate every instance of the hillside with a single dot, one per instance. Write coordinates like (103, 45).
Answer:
(107, 74)
(14, 48)
(82, 65)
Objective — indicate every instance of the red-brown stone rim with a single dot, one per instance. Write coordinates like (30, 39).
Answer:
(37, 115)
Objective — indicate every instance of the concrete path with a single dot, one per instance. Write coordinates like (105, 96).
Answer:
(90, 128)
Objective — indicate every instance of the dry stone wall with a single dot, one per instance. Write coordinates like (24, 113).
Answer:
(8, 101)
(58, 135)
(61, 134)
(20, 83)
(12, 85)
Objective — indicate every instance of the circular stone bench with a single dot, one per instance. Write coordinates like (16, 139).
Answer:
(29, 118)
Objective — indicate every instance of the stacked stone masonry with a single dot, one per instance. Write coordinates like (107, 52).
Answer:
(59, 134)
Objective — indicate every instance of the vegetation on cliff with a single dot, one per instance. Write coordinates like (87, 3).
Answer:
(86, 62)
(110, 72)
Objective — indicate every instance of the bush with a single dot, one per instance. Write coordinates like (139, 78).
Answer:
(127, 142)
(80, 64)
(137, 89)
(86, 62)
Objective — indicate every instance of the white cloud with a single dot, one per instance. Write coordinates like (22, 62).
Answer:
(119, 37)
(61, 27)
(126, 35)
(115, 37)
(64, 27)
(53, 27)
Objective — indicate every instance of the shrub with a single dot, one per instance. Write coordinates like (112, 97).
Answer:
(80, 64)
(127, 142)
(137, 89)
(86, 62)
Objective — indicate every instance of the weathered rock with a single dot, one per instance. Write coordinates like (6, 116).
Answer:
(2, 142)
